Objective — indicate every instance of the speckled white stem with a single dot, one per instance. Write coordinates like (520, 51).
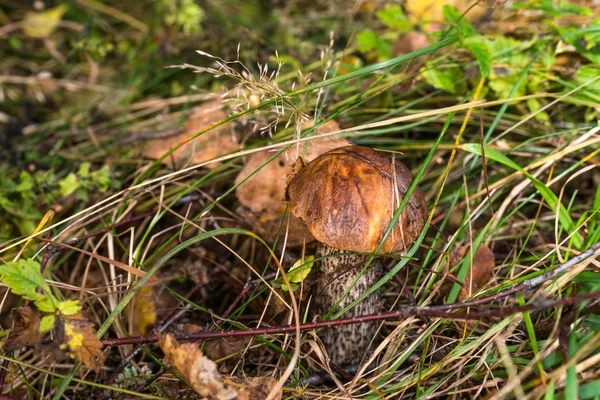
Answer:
(331, 277)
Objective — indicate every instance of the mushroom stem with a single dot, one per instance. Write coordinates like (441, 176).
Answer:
(332, 276)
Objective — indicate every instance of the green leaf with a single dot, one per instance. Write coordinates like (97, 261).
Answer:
(534, 105)
(185, 14)
(47, 322)
(477, 46)
(69, 307)
(558, 8)
(591, 321)
(46, 304)
(591, 50)
(586, 73)
(548, 195)
(503, 85)
(590, 390)
(548, 59)
(297, 273)
(69, 184)
(101, 178)
(23, 277)
(445, 79)
(453, 16)
(508, 48)
(26, 183)
(393, 16)
(367, 40)
(572, 381)
(299, 270)
(84, 170)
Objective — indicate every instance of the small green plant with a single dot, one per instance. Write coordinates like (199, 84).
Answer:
(379, 47)
(26, 197)
(74, 333)
(183, 14)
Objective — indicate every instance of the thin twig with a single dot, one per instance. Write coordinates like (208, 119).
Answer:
(429, 311)
(440, 311)
(528, 284)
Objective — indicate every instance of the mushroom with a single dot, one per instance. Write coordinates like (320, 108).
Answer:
(347, 198)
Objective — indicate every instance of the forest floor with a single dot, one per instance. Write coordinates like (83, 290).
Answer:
(144, 150)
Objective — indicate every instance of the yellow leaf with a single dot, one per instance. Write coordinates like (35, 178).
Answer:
(144, 310)
(43, 24)
(427, 12)
(299, 271)
(81, 342)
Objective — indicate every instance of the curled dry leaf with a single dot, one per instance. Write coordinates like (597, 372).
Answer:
(25, 329)
(81, 342)
(480, 271)
(253, 388)
(214, 143)
(144, 310)
(199, 372)
(262, 195)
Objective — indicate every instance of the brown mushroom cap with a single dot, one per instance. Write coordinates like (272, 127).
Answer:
(347, 198)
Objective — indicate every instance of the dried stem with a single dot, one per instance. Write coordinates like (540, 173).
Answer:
(428, 311)
(440, 311)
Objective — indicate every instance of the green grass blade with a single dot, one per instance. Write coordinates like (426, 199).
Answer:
(547, 194)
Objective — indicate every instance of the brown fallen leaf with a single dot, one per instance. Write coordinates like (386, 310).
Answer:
(480, 271)
(199, 372)
(144, 310)
(214, 143)
(25, 329)
(253, 387)
(80, 341)
(267, 225)
(409, 42)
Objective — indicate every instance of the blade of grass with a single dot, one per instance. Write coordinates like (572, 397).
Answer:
(547, 194)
